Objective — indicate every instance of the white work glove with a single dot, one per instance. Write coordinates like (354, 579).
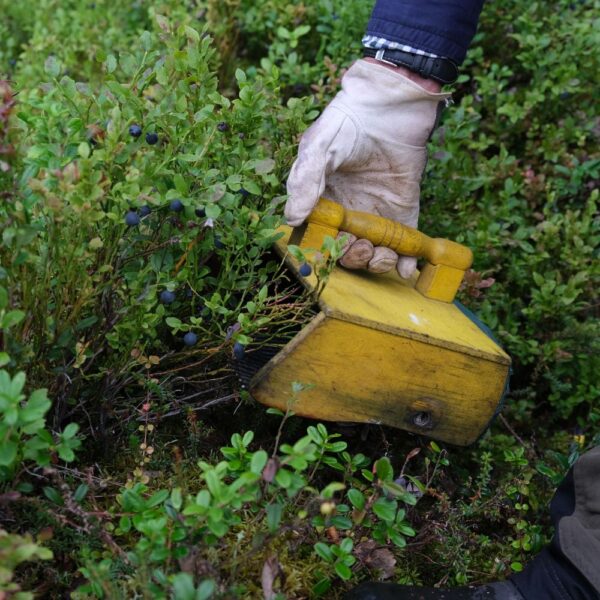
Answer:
(367, 151)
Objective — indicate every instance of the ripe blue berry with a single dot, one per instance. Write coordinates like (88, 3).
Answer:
(222, 126)
(145, 210)
(167, 297)
(238, 350)
(218, 243)
(176, 206)
(190, 339)
(243, 193)
(152, 138)
(135, 131)
(305, 270)
(200, 212)
(132, 219)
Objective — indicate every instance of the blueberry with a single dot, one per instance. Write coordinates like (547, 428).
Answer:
(176, 206)
(239, 350)
(145, 210)
(305, 270)
(200, 212)
(218, 243)
(167, 297)
(132, 218)
(243, 193)
(190, 339)
(152, 138)
(223, 126)
(135, 131)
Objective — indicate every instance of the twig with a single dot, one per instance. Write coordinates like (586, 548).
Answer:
(514, 433)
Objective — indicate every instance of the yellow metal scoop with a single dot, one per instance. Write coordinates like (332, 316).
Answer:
(386, 350)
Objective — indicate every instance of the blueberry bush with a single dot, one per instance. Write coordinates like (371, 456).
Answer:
(144, 148)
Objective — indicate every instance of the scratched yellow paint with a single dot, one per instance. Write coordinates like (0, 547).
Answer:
(364, 375)
(381, 352)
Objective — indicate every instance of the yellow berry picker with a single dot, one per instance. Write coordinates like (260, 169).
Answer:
(382, 349)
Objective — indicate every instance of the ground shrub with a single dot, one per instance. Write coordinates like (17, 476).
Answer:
(143, 153)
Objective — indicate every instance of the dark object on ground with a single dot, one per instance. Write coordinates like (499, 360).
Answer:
(200, 212)
(145, 210)
(218, 243)
(176, 206)
(152, 138)
(392, 591)
(223, 126)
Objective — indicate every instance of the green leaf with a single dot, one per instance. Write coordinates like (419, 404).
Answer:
(213, 483)
(258, 462)
(356, 498)
(52, 67)
(384, 470)
(321, 587)
(124, 524)
(343, 571)
(183, 587)
(385, 509)
(65, 453)
(81, 492)
(70, 431)
(83, 150)
(324, 551)
(176, 498)
(283, 478)
(262, 167)
(53, 495)
(396, 538)
(8, 453)
(111, 63)
(180, 184)
(206, 589)
(393, 489)
(36, 408)
(331, 489)
(274, 512)
(12, 317)
(157, 498)
(85, 323)
(275, 411)
(247, 439)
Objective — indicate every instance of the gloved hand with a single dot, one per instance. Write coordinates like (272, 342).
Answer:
(367, 151)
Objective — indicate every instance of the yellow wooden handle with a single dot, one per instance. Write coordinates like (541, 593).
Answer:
(447, 261)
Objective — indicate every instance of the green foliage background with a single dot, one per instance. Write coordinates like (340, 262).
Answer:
(228, 87)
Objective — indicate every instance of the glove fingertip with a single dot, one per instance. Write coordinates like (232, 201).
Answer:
(406, 266)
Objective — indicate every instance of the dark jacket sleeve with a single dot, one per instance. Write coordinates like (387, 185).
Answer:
(443, 28)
